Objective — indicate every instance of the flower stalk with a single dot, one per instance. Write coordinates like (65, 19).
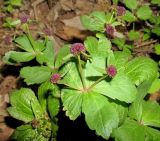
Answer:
(95, 83)
(81, 72)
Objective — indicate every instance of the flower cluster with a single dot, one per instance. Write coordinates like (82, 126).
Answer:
(23, 19)
(111, 71)
(8, 40)
(77, 48)
(110, 30)
(121, 11)
(55, 78)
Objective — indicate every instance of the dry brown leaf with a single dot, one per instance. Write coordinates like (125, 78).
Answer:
(67, 5)
(74, 22)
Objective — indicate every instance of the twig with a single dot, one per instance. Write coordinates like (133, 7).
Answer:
(146, 43)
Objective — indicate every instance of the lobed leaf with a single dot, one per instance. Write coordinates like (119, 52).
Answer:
(120, 88)
(60, 57)
(24, 43)
(21, 56)
(47, 55)
(130, 130)
(35, 75)
(26, 133)
(151, 113)
(95, 21)
(100, 115)
(129, 17)
(141, 69)
(144, 12)
(72, 102)
(131, 4)
(22, 102)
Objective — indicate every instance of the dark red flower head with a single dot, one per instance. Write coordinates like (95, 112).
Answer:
(121, 10)
(55, 78)
(110, 30)
(77, 48)
(8, 40)
(24, 19)
(111, 71)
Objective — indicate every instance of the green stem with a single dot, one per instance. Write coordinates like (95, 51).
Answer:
(111, 18)
(81, 72)
(86, 55)
(99, 80)
(134, 26)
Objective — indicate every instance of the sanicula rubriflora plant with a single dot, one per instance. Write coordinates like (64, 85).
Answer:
(88, 78)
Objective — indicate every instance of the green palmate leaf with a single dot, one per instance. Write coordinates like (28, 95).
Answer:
(141, 69)
(94, 69)
(10, 9)
(151, 113)
(53, 105)
(36, 108)
(21, 56)
(146, 36)
(155, 87)
(135, 110)
(95, 21)
(104, 47)
(24, 43)
(60, 58)
(47, 55)
(119, 59)
(120, 88)
(155, 1)
(45, 90)
(152, 134)
(10, 22)
(130, 131)
(54, 129)
(38, 46)
(7, 59)
(91, 44)
(99, 47)
(72, 77)
(16, 2)
(119, 42)
(27, 133)
(72, 102)
(21, 105)
(100, 115)
(35, 75)
(131, 4)
(156, 30)
(144, 12)
(122, 110)
(157, 49)
(129, 17)
(154, 19)
(133, 35)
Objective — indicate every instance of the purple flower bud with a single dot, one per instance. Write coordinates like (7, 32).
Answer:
(24, 19)
(77, 48)
(55, 78)
(110, 30)
(121, 10)
(111, 71)
(8, 40)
